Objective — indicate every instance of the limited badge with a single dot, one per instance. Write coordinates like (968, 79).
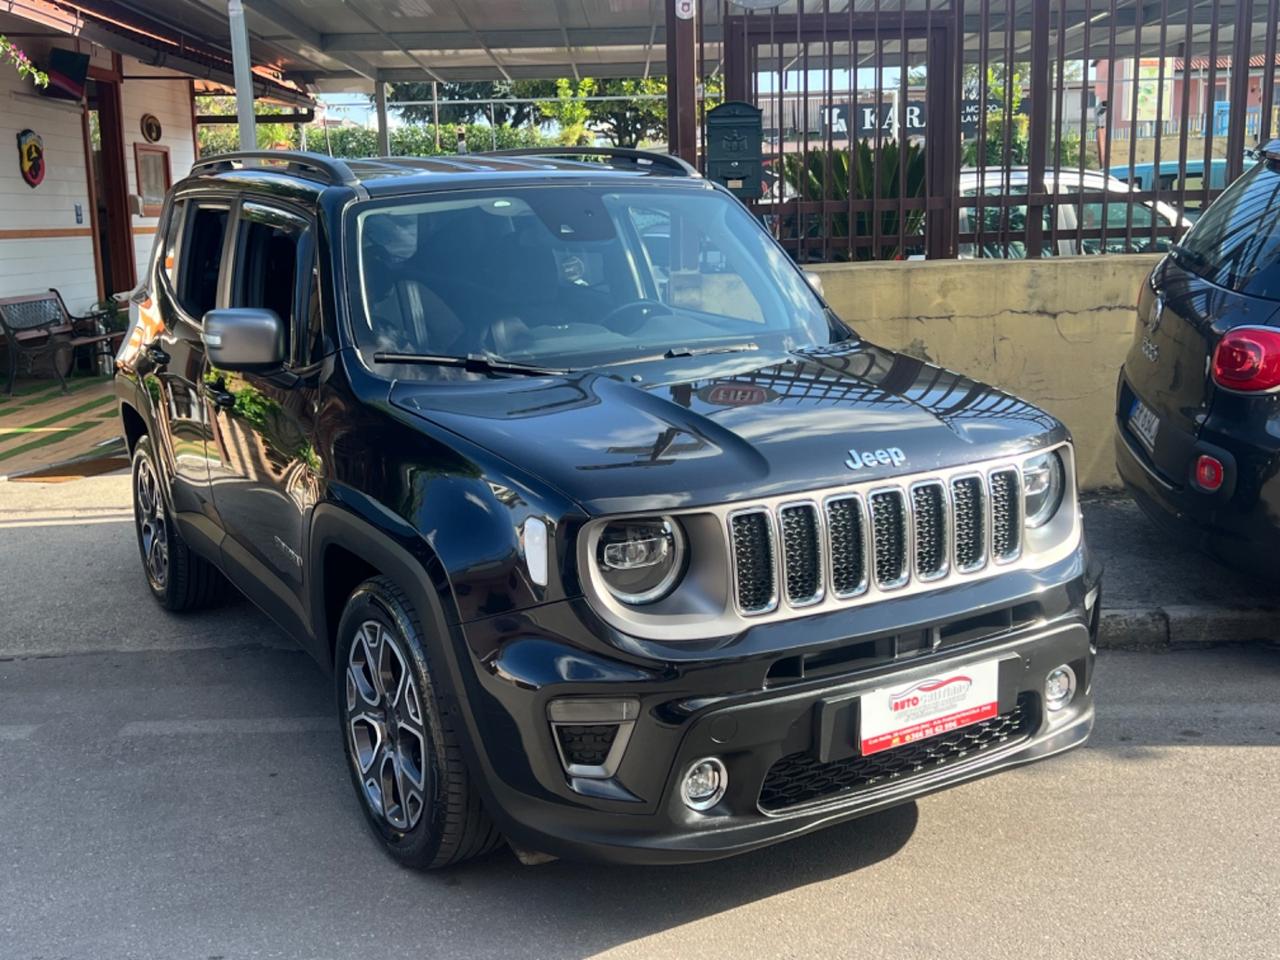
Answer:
(31, 157)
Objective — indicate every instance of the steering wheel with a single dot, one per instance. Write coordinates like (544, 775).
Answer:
(644, 308)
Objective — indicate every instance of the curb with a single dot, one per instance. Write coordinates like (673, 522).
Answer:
(1183, 626)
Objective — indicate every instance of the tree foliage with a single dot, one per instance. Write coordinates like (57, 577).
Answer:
(478, 91)
(628, 123)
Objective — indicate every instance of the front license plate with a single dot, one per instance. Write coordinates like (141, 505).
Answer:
(903, 713)
(1144, 424)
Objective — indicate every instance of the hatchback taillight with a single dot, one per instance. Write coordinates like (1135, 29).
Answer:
(1248, 359)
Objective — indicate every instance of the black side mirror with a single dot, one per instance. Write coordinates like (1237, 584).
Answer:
(243, 338)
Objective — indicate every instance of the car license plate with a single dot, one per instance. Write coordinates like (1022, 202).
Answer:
(896, 715)
(1144, 424)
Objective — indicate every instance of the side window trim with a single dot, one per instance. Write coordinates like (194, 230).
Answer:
(191, 204)
(303, 229)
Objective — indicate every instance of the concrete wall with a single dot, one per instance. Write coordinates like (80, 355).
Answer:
(1052, 331)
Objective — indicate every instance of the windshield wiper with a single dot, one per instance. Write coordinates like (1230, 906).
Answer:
(1178, 250)
(472, 363)
(705, 351)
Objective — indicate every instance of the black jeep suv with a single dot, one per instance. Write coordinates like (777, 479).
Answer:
(618, 543)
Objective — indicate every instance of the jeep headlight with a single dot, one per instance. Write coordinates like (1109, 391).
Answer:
(642, 559)
(1043, 486)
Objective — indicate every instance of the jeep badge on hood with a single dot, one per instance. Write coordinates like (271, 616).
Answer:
(884, 456)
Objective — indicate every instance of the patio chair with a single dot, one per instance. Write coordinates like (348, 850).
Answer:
(39, 326)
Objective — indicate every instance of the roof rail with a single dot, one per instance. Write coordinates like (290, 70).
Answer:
(640, 158)
(310, 166)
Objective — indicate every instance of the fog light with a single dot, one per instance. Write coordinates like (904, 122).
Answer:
(704, 784)
(1209, 473)
(1059, 687)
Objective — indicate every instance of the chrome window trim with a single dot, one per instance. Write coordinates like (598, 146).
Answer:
(820, 538)
(704, 605)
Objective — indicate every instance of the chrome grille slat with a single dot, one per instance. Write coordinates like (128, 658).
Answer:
(890, 538)
(803, 573)
(1006, 515)
(847, 545)
(931, 529)
(754, 566)
(969, 522)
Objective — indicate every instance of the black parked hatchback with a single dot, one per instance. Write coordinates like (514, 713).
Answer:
(617, 542)
(1198, 402)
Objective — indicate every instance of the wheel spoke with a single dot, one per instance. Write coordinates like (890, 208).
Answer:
(391, 672)
(412, 750)
(367, 741)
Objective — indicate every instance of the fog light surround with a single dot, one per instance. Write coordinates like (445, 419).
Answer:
(1059, 687)
(704, 784)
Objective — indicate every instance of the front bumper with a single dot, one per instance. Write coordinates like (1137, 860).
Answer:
(686, 714)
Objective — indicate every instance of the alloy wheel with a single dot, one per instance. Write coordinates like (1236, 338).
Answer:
(385, 731)
(153, 530)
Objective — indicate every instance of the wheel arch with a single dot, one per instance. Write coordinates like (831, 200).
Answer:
(346, 549)
(135, 427)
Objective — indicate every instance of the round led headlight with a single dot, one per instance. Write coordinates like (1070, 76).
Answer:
(1043, 484)
(642, 559)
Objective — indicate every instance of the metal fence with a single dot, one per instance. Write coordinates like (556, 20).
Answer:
(998, 128)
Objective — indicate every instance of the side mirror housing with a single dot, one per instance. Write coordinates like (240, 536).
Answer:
(243, 338)
(815, 281)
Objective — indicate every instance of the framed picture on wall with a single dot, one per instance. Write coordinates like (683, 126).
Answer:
(151, 165)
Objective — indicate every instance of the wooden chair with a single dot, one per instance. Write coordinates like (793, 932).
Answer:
(39, 326)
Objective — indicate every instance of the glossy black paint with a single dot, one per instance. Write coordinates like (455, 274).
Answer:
(319, 474)
(1240, 523)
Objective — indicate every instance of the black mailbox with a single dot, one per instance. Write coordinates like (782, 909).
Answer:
(735, 153)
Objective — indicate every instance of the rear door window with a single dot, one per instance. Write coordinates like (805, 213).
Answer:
(1236, 242)
(267, 266)
(201, 258)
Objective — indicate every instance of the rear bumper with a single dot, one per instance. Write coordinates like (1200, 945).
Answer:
(1235, 524)
(638, 816)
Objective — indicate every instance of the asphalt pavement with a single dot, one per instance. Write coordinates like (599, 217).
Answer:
(173, 787)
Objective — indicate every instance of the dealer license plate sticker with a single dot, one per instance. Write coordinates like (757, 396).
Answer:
(1144, 423)
(905, 712)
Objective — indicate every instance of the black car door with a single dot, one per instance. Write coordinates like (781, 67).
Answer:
(265, 471)
(185, 284)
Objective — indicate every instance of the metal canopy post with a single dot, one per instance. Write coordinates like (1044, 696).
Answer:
(242, 70)
(682, 93)
(380, 103)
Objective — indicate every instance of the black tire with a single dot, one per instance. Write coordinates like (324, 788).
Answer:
(179, 579)
(392, 754)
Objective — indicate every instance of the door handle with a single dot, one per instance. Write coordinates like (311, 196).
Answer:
(218, 396)
(156, 355)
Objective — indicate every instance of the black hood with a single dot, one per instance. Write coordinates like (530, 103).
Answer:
(719, 429)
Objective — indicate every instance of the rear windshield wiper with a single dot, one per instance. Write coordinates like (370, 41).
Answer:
(472, 363)
(705, 351)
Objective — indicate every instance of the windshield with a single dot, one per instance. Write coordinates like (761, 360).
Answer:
(1236, 243)
(573, 276)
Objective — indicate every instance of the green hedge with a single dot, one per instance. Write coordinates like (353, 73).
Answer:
(406, 141)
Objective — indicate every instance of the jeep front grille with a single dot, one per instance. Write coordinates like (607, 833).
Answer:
(896, 534)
